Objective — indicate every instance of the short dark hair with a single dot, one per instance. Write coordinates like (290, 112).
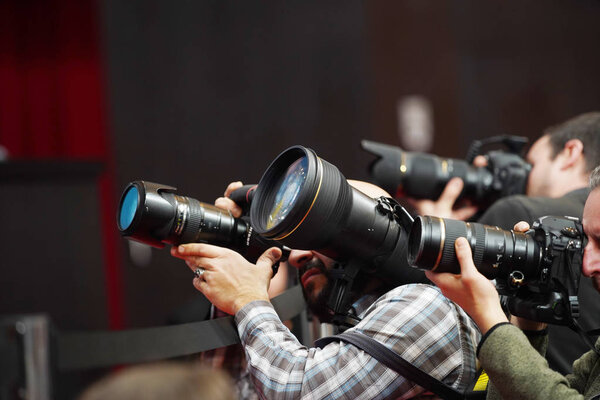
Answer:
(595, 178)
(585, 127)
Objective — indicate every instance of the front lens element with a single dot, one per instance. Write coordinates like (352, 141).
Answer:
(129, 206)
(288, 191)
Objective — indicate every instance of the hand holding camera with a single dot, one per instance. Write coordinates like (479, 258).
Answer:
(539, 269)
(470, 289)
(226, 203)
(228, 280)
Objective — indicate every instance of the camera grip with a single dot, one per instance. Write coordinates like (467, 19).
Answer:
(243, 197)
(551, 307)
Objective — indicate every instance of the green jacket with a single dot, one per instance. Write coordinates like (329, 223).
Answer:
(518, 371)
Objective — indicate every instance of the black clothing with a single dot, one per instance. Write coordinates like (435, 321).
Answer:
(565, 346)
(506, 212)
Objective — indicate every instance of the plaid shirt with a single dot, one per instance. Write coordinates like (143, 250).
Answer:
(414, 320)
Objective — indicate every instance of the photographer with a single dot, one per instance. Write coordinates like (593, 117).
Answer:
(414, 320)
(561, 160)
(515, 368)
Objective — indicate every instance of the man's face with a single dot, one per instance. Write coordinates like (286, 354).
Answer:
(591, 226)
(542, 176)
(314, 271)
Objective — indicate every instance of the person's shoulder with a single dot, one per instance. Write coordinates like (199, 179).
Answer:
(523, 205)
(402, 310)
(509, 203)
(412, 288)
(413, 292)
(509, 210)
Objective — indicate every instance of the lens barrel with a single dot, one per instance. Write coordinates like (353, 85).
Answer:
(323, 212)
(425, 176)
(152, 213)
(496, 252)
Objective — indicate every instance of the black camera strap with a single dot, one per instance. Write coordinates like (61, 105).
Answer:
(92, 349)
(394, 361)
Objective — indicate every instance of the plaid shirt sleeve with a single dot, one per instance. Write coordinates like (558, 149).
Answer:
(416, 321)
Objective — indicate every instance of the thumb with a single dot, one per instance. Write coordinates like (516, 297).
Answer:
(465, 256)
(268, 258)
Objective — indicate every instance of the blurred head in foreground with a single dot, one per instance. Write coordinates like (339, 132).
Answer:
(165, 380)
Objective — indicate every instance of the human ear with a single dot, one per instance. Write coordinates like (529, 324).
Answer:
(572, 154)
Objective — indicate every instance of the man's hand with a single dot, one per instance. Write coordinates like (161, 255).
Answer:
(470, 290)
(226, 203)
(229, 281)
(444, 206)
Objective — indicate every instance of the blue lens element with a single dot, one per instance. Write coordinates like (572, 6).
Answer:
(128, 207)
(288, 192)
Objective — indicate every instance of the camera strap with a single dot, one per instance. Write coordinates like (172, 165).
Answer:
(338, 302)
(394, 361)
(92, 349)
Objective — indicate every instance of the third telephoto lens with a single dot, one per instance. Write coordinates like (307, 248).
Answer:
(496, 252)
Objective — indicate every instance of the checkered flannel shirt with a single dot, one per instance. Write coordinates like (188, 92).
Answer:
(414, 320)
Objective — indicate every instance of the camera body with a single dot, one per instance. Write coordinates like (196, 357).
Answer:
(552, 296)
(424, 176)
(538, 270)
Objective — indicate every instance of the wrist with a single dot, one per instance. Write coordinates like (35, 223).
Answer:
(241, 301)
(489, 319)
(528, 325)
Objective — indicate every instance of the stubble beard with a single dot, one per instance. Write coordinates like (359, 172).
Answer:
(317, 303)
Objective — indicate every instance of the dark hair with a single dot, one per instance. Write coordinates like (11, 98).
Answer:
(585, 127)
(595, 178)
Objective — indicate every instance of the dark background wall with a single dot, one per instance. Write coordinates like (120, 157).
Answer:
(197, 94)
(210, 92)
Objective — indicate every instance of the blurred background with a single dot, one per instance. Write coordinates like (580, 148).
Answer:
(196, 94)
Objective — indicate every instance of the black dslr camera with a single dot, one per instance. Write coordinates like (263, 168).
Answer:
(425, 176)
(154, 214)
(538, 270)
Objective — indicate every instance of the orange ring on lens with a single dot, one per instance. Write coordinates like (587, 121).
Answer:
(443, 235)
(311, 205)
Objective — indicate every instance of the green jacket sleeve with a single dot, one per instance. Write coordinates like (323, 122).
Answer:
(586, 373)
(518, 371)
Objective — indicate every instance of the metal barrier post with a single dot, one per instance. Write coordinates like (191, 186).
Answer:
(25, 358)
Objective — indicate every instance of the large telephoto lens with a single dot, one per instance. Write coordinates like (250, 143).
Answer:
(304, 202)
(422, 175)
(425, 176)
(154, 214)
(496, 252)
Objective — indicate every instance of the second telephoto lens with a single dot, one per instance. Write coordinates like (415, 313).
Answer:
(496, 252)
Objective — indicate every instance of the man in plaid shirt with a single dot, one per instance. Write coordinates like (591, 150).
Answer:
(414, 320)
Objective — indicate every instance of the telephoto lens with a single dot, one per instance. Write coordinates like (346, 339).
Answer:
(424, 176)
(539, 270)
(304, 202)
(154, 214)
(496, 252)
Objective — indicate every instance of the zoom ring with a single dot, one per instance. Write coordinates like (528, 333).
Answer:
(478, 252)
(194, 219)
(454, 230)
